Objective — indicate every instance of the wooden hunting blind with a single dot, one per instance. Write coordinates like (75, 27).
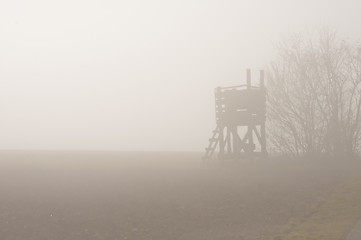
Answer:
(240, 119)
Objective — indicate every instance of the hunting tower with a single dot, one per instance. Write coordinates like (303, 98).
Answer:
(240, 119)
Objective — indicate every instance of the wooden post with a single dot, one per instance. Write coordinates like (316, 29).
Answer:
(263, 125)
(229, 145)
(250, 126)
(261, 79)
(248, 78)
(235, 141)
(221, 142)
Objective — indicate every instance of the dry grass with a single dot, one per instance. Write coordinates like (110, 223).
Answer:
(162, 196)
(334, 216)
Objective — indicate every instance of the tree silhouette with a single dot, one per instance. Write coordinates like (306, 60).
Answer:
(314, 96)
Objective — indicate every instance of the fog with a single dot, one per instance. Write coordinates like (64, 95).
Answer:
(141, 196)
(136, 75)
(79, 78)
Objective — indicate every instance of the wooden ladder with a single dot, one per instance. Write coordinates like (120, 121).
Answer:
(213, 142)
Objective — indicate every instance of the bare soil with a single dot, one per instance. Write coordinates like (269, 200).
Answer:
(170, 196)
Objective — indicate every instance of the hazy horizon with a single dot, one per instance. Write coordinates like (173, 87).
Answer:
(137, 75)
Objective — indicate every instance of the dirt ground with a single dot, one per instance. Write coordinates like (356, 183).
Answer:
(113, 196)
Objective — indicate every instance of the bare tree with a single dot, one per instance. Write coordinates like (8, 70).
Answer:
(314, 96)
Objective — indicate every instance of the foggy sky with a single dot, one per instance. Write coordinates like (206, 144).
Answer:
(137, 75)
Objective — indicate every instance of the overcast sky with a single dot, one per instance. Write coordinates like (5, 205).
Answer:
(137, 75)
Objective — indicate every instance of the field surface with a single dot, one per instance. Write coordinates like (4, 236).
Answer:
(174, 196)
